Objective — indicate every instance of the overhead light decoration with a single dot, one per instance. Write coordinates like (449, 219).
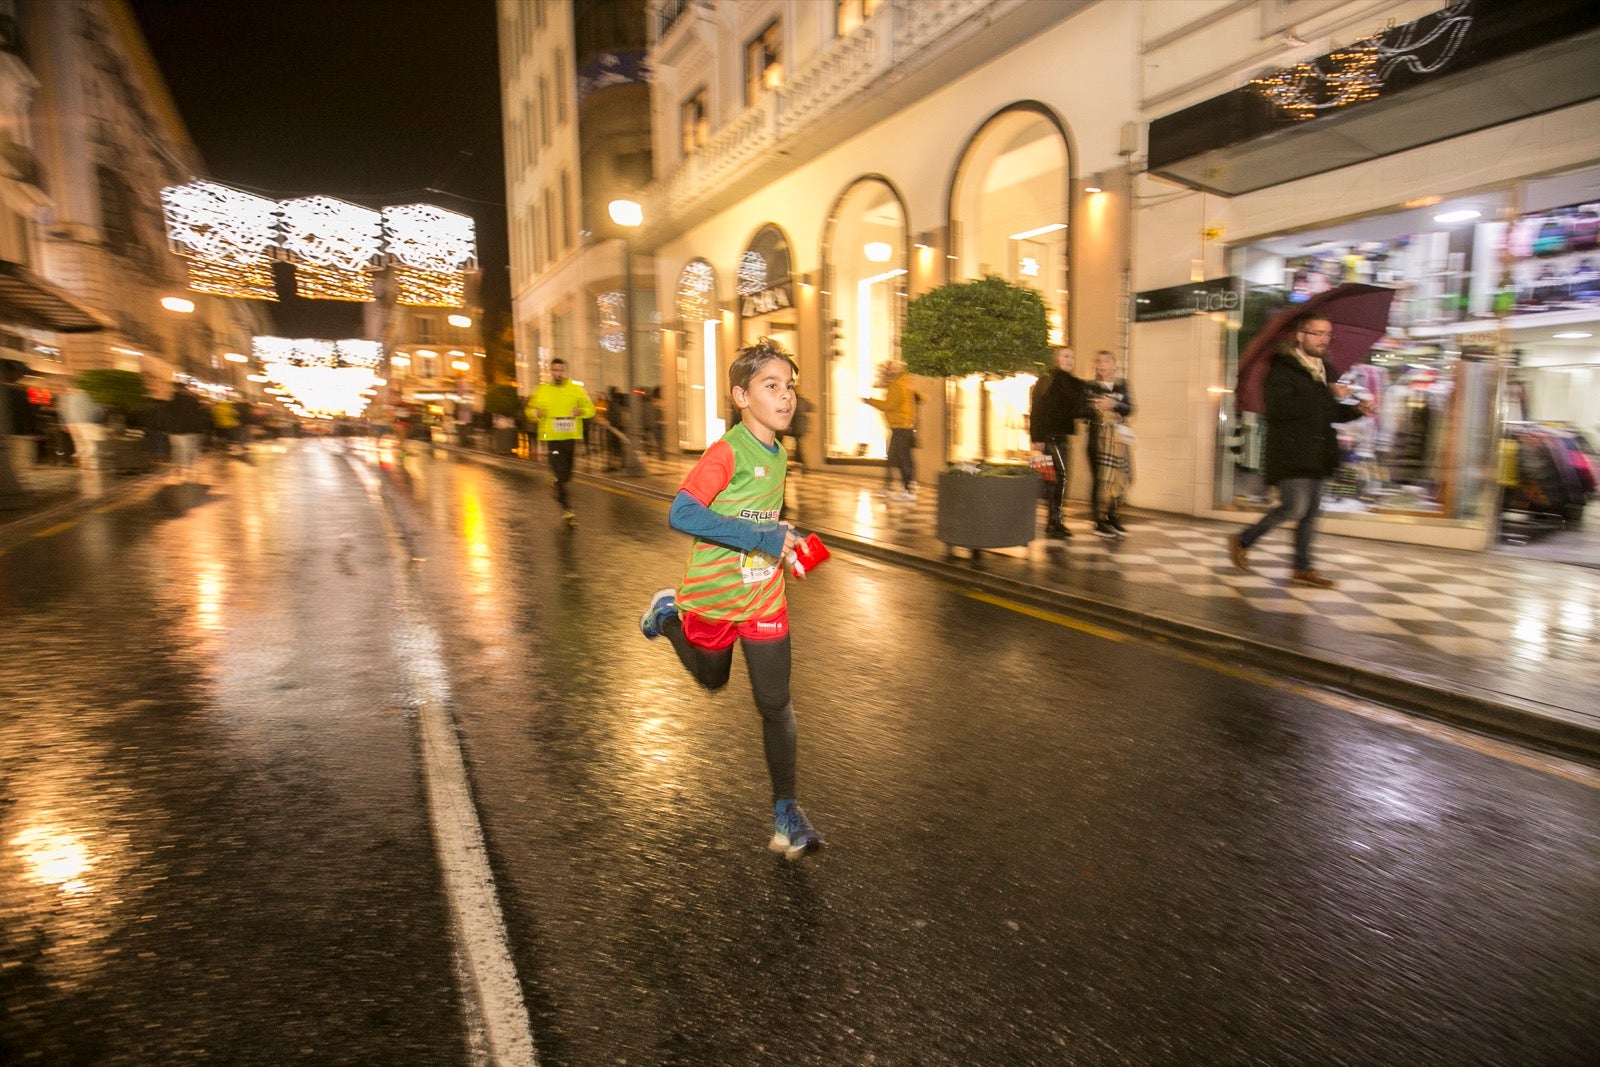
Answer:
(324, 378)
(356, 352)
(334, 246)
(1358, 71)
(226, 235)
(878, 251)
(431, 250)
(613, 335)
(230, 238)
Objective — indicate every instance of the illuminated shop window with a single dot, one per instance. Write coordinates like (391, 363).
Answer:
(1010, 217)
(864, 302)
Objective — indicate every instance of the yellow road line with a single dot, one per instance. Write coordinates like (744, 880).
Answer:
(1047, 616)
(99, 509)
(1504, 751)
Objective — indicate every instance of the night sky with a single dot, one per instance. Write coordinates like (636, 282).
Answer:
(377, 102)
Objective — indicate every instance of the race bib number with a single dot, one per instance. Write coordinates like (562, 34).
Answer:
(756, 567)
(563, 425)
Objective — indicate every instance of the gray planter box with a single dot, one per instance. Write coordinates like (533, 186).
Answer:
(987, 511)
(122, 455)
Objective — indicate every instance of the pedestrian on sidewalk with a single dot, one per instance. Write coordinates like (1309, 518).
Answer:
(225, 421)
(84, 420)
(1303, 401)
(800, 425)
(1059, 401)
(187, 424)
(1110, 404)
(899, 407)
(733, 586)
(559, 406)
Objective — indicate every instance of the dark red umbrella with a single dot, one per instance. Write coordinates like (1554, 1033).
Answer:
(1359, 314)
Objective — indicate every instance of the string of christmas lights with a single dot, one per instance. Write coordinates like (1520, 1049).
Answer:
(331, 283)
(333, 245)
(240, 281)
(226, 235)
(415, 287)
(230, 236)
(321, 377)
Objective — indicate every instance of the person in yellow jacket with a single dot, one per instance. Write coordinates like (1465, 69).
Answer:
(899, 407)
(559, 406)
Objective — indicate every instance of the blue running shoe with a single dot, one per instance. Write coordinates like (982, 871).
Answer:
(663, 606)
(792, 833)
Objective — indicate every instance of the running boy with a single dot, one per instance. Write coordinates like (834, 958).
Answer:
(733, 586)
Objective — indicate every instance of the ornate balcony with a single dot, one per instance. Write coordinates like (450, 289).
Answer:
(911, 46)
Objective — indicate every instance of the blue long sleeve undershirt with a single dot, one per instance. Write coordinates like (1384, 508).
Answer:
(690, 516)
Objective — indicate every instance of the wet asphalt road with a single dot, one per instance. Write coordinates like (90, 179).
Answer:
(1046, 845)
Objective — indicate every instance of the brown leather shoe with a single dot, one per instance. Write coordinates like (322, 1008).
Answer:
(1312, 578)
(1239, 554)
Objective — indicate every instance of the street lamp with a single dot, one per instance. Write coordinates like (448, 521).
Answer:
(629, 215)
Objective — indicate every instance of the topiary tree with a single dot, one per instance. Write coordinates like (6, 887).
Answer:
(119, 391)
(989, 326)
(502, 400)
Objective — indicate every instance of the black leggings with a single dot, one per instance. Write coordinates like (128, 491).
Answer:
(1061, 460)
(768, 663)
(561, 466)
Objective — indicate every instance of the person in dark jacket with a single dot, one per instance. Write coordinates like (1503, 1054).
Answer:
(1059, 401)
(187, 422)
(1303, 403)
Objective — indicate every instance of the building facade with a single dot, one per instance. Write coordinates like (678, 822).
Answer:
(91, 138)
(576, 114)
(1167, 174)
(1444, 151)
(819, 165)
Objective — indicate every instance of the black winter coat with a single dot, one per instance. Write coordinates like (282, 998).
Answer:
(185, 415)
(1059, 401)
(1301, 412)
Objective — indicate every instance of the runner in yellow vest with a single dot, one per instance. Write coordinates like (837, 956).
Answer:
(559, 406)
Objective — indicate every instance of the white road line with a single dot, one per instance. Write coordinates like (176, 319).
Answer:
(490, 984)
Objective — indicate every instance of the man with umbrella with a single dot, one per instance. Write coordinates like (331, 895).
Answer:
(1303, 401)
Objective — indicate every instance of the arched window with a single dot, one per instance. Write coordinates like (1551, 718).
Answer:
(765, 289)
(1009, 208)
(864, 259)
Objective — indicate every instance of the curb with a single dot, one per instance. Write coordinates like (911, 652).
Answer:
(16, 531)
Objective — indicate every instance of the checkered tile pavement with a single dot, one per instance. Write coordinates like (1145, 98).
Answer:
(1466, 605)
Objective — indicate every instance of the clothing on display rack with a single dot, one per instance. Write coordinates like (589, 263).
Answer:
(1556, 471)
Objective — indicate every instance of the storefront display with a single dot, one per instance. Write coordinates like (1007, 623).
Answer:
(1010, 218)
(864, 299)
(1432, 378)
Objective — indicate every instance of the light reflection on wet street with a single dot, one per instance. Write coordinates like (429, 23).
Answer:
(1045, 846)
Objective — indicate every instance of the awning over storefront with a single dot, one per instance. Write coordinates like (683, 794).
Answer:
(1472, 65)
(28, 300)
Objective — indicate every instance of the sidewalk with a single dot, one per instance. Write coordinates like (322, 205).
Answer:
(57, 493)
(1487, 641)
(1482, 640)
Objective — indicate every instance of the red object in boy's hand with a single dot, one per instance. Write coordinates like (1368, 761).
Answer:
(809, 554)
